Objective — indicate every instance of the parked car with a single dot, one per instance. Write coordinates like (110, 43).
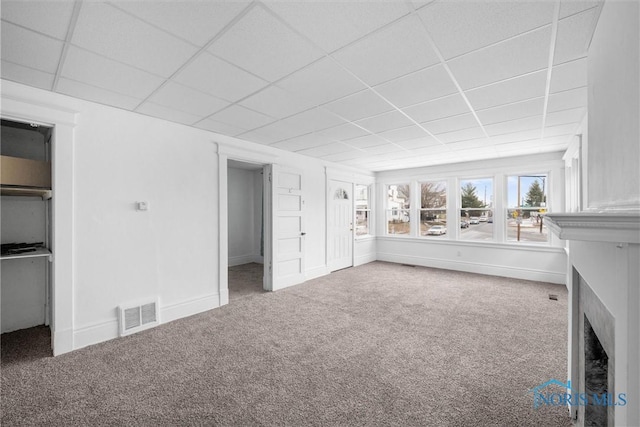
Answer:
(483, 219)
(464, 224)
(437, 230)
(490, 220)
(474, 220)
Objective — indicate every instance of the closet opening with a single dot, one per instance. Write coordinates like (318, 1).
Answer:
(26, 236)
(247, 275)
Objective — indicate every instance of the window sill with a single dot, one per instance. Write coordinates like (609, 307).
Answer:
(505, 245)
(365, 238)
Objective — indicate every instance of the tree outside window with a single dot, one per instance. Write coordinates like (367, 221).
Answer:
(527, 204)
(476, 215)
(433, 209)
(363, 210)
(398, 209)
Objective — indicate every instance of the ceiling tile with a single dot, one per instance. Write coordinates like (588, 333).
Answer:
(392, 52)
(574, 36)
(279, 131)
(514, 57)
(195, 21)
(182, 98)
(423, 142)
(459, 27)
(438, 109)
(110, 32)
(162, 112)
(96, 94)
(568, 99)
(344, 132)
(27, 76)
(326, 149)
(321, 82)
(517, 89)
(365, 141)
(24, 47)
(48, 17)
(558, 130)
(511, 111)
(359, 105)
(261, 44)
(383, 149)
(241, 117)
(218, 127)
(276, 102)
(569, 75)
(574, 115)
(259, 137)
(386, 121)
(302, 142)
(527, 135)
(218, 78)
(403, 134)
(313, 120)
(570, 7)
(461, 135)
(341, 157)
(512, 126)
(449, 124)
(96, 70)
(353, 19)
(424, 85)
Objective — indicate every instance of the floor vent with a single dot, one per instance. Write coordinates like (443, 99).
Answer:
(136, 318)
(553, 297)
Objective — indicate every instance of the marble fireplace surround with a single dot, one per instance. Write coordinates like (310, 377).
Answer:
(603, 280)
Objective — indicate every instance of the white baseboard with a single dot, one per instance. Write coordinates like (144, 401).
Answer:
(364, 259)
(471, 267)
(108, 330)
(245, 259)
(62, 341)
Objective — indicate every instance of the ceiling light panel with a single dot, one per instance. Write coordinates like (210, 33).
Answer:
(47, 17)
(195, 21)
(349, 20)
(219, 78)
(452, 105)
(574, 35)
(517, 56)
(386, 121)
(182, 98)
(26, 48)
(96, 70)
(461, 27)
(96, 94)
(27, 76)
(276, 102)
(516, 110)
(321, 82)
(242, 117)
(359, 105)
(264, 46)
(115, 34)
(397, 50)
(512, 90)
(570, 75)
(424, 85)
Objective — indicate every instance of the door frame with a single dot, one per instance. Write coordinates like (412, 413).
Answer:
(225, 153)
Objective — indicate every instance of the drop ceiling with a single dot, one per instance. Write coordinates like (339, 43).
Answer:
(377, 85)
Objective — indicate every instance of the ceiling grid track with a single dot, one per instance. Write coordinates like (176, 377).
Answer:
(552, 50)
(77, 5)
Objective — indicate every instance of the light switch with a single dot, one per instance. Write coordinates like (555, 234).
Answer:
(142, 206)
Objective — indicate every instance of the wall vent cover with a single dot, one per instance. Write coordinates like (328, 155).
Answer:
(138, 317)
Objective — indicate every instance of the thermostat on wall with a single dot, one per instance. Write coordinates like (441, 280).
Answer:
(142, 206)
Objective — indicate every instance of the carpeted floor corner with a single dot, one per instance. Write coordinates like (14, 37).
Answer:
(377, 345)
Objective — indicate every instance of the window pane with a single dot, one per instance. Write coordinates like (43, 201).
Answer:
(527, 197)
(362, 223)
(399, 196)
(476, 216)
(433, 195)
(398, 221)
(433, 223)
(362, 197)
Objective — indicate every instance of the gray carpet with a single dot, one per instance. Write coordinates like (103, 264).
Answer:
(377, 345)
(245, 280)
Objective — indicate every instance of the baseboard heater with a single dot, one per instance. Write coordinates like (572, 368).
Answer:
(138, 317)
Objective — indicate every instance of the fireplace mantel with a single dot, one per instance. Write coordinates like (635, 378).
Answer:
(596, 226)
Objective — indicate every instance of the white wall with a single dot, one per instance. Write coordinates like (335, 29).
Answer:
(245, 207)
(614, 109)
(533, 262)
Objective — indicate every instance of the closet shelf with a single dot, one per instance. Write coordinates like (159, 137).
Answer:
(40, 252)
(45, 193)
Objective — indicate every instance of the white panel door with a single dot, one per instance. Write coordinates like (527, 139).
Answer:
(340, 225)
(288, 227)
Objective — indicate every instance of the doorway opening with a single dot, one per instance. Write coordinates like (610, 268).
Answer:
(246, 229)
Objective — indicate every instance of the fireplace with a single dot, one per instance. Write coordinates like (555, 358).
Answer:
(603, 281)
